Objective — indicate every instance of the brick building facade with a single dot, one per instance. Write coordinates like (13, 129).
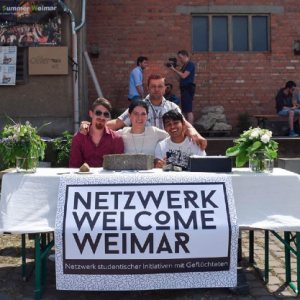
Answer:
(241, 81)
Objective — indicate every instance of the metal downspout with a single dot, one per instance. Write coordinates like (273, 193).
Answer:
(74, 29)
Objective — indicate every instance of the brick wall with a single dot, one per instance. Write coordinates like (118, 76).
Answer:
(241, 82)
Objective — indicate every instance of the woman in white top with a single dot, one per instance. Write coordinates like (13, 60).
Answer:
(138, 138)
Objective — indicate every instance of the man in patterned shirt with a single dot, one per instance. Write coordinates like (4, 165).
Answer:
(158, 106)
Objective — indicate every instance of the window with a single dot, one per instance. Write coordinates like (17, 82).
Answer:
(22, 65)
(230, 33)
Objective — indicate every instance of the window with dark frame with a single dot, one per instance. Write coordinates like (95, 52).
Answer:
(22, 65)
(230, 33)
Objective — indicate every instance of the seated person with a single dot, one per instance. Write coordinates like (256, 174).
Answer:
(99, 141)
(177, 148)
(138, 138)
(285, 106)
(168, 94)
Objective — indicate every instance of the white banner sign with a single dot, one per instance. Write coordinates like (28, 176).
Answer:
(143, 228)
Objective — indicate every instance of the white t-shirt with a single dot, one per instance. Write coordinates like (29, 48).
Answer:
(144, 142)
(177, 153)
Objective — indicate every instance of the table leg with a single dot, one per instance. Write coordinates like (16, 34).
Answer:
(23, 257)
(266, 277)
(38, 289)
(25, 273)
(287, 257)
(44, 261)
(251, 246)
(265, 122)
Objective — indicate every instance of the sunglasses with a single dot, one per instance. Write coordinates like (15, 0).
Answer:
(98, 113)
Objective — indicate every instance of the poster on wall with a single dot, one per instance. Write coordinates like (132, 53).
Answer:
(156, 231)
(48, 61)
(8, 60)
(29, 23)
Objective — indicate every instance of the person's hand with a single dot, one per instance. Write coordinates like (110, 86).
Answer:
(159, 163)
(196, 138)
(84, 127)
(171, 67)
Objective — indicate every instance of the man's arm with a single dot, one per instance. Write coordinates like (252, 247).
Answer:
(140, 90)
(179, 74)
(160, 163)
(160, 158)
(115, 124)
(194, 136)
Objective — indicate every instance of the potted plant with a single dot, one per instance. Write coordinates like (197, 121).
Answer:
(21, 145)
(255, 145)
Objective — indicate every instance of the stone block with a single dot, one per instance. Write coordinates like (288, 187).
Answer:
(220, 118)
(221, 126)
(290, 164)
(121, 162)
(204, 123)
(213, 109)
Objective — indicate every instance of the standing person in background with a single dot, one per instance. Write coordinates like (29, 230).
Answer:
(187, 86)
(168, 94)
(136, 91)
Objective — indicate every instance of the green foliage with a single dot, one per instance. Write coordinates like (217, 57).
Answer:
(251, 141)
(21, 141)
(62, 149)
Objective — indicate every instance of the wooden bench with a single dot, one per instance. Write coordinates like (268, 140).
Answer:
(262, 119)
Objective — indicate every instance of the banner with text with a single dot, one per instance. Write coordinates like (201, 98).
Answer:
(146, 228)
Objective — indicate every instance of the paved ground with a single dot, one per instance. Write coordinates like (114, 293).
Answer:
(250, 286)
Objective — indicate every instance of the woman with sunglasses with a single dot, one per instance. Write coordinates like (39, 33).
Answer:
(140, 138)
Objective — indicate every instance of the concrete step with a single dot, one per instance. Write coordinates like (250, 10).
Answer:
(288, 147)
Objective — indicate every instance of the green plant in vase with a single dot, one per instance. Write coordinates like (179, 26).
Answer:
(21, 144)
(254, 145)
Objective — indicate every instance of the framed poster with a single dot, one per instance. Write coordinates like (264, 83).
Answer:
(29, 23)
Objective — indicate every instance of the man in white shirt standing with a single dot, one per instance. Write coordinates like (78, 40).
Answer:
(177, 148)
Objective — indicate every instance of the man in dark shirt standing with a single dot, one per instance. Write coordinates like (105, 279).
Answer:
(186, 82)
(285, 106)
(99, 141)
(169, 96)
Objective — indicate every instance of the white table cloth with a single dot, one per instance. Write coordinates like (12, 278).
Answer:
(263, 200)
